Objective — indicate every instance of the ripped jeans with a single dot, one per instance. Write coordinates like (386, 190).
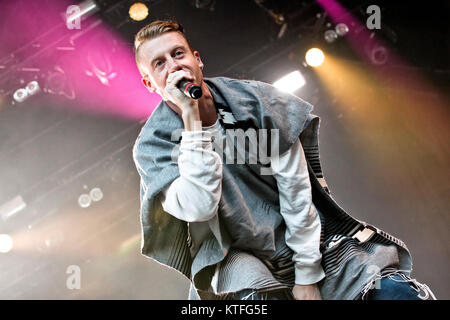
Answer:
(391, 287)
(394, 288)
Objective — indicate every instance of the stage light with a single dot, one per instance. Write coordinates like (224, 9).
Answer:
(341, 29)
(314, 57)
(32, 87)
(84, 200)
(57, 82)
(138, 11)
(330, 36)
(379, 55)
(376, 52)
(12, 207)
(6, 243)
(96, 194)
(101, 62)
(20, 95)
(290, 82)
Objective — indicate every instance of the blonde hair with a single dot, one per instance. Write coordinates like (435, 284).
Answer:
(153, 30)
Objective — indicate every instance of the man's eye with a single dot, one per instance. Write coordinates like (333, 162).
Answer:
(179, 53)
(157, 64)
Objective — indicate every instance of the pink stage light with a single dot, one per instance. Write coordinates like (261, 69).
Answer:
(92, 66)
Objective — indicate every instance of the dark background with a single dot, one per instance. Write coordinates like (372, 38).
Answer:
(51, 151)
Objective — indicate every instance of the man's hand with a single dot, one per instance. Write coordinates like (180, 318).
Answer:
(306, 292)
(173, 94)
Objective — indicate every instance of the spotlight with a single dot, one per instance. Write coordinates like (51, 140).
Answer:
(379, 55)
(55, 82)
(32, 87)
(100, 62)
(6, 243)
(314, 57)
(58, 83)
(330, 36)
(84, 200)
(20, 95)
(290, 82)
(12, 207)
(138, 11)
(341, 29)
(96, 194)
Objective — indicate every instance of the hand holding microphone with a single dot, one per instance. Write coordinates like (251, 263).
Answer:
(178, 90)
(191, 89)
(174, 91)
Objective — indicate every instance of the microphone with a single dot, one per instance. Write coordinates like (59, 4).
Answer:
(191, 89)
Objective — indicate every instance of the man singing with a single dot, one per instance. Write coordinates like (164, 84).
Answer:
(248, 220)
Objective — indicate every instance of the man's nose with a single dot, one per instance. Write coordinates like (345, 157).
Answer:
(174, 65)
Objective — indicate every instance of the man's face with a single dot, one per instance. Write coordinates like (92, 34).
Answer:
(165, 54)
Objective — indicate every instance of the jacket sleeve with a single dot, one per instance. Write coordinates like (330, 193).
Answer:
(194, 196)
(303, 226)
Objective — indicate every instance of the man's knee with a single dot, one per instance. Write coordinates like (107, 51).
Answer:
(395, 287)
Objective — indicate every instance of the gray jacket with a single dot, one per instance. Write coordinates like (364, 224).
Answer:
(353, 252)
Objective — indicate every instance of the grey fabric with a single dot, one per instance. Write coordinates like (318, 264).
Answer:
(247, 193)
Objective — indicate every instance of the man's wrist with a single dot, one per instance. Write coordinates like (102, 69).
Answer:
(191, 118)
(306, 275)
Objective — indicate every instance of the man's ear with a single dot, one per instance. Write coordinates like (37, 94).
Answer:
(199, 60)
(146, 82)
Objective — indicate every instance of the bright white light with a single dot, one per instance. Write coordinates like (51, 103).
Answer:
(314, 57)
(32, 87)
(6, 243)
(290, 82)
(84, 200)
(96, 194)
(20, 95)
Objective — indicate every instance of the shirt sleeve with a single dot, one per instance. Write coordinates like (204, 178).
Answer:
(194, 196)
(303, 226)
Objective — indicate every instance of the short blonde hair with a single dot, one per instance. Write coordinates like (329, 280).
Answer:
(153, 30)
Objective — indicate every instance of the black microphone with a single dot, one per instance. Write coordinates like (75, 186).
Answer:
(191, 89)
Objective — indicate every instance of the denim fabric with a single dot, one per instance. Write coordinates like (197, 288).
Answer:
(394, 288)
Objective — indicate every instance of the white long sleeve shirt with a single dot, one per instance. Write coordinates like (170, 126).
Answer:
(195, 195)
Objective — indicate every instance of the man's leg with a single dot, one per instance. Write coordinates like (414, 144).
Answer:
(394, 287)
